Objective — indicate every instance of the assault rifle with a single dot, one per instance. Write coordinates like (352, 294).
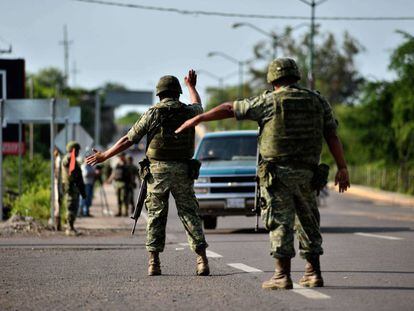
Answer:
(140, 202)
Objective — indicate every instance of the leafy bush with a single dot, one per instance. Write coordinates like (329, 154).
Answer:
(35, 203)
(35, 197)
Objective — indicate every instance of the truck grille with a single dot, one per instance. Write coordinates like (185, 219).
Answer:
(232, 190)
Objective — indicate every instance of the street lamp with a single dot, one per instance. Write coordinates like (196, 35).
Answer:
(275, 38)
(240, 65)
(220, 80)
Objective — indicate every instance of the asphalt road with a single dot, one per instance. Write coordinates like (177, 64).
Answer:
(368, 265)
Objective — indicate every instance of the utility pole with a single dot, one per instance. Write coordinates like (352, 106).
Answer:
(75, 72)
(31, 126)
(311, 76)
(66, 43)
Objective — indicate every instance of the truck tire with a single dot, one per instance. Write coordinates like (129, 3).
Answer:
(210, 222)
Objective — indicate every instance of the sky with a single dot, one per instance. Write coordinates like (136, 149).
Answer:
(137, 47)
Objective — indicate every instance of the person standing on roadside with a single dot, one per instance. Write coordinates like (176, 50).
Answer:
(72, 185)
(293, 123)
(88, 174)
(171, 168)
(120, 175)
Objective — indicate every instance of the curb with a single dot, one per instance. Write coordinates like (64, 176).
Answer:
(392, 198)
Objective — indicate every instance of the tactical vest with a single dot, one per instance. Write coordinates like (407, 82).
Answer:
(295, 132)
(165, 144)
(121, 173)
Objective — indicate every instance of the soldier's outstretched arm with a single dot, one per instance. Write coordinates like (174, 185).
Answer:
(337, 151)
(190, 82)
(100, 156)
(223, 111)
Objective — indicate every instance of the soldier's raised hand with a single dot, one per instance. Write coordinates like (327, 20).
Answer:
(191, 78)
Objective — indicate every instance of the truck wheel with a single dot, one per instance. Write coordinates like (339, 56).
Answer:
(210, 222)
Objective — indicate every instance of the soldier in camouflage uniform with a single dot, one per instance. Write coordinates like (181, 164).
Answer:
(293, 123)
(171, 168)
(121, 176)
(72, 185)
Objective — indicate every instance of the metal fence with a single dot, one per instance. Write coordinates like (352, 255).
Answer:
(391, 179)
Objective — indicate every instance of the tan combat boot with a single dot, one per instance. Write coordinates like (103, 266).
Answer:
(203, 268)
(70, 229)
(313, 275)
(154, 264)
(281, 279)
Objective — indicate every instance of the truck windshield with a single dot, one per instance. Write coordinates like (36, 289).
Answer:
(228, 148)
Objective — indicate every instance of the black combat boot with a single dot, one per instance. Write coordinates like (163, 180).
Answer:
(203, 268)
(154, 264)
(281, 279)
(313, 275)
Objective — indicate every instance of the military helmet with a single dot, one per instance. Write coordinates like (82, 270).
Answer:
(72, 144)
(168, 83)
(282, 67)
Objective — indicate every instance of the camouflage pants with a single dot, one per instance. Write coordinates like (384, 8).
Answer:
(122, 194)
(71, 201)
(289, 205)
(166, 178)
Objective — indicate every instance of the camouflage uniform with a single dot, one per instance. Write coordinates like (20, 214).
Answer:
(122, 188)
(168, 176)
(288, 201)
(72, 186)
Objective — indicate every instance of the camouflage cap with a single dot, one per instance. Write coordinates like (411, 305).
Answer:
(72, 144)
(168, 83)
(282, 67)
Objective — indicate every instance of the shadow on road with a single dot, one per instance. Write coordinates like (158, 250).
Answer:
(237, 231)
(364, 229)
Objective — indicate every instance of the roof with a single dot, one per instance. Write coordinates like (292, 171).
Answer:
(231, 133)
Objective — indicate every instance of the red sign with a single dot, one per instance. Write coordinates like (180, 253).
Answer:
(12, 148)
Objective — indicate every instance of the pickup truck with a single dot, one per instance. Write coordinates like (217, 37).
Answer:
(226, 185)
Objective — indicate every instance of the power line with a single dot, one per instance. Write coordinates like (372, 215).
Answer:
(241, 15)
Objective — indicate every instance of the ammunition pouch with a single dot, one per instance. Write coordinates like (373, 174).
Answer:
(144, 168)
(320, 177)
(194, 168)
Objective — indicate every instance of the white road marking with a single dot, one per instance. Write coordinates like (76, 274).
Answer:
(213, 254)
(179, 248)
(308, 293)
(243, 267)
(385, 237)
(183, 244)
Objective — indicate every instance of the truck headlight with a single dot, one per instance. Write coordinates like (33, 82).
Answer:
(202, 180)
(201, 190)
